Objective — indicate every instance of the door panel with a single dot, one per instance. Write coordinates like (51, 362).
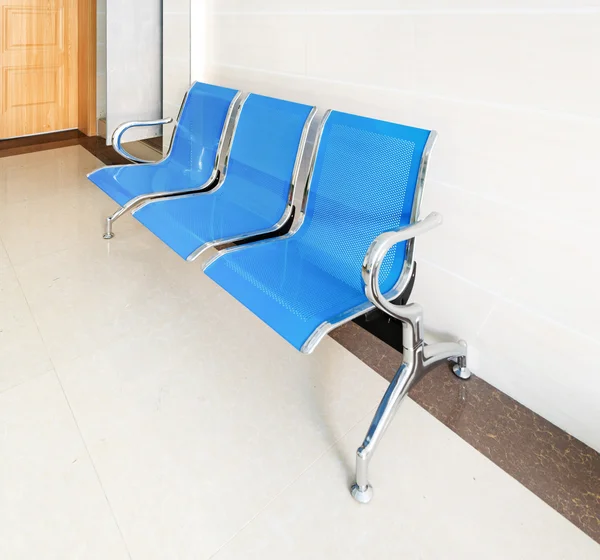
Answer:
(38, 66)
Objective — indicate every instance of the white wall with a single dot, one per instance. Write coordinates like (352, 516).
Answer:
(133, 65)
(101, 59)
(176, 60)
(513, 89)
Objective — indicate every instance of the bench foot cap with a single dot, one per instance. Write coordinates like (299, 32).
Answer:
(108, 236)
(463, 372)
(362, 495)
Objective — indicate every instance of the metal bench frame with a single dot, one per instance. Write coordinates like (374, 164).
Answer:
(247, 237)
(418, 357)
(214, 181)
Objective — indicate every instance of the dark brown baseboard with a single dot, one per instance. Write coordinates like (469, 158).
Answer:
(39, 142)
(54, 140)
(96, 145)
(561, 470)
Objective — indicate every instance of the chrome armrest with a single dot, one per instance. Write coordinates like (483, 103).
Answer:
(118, 134)
(374, 258)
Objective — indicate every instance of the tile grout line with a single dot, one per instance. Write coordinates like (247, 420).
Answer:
(19, 383)
(504, 203)
(290, 484)
(12, 268)
(506, 299)
(418, 93)
(22, 382)
(55, 371)
(108, 503)
(415, 12)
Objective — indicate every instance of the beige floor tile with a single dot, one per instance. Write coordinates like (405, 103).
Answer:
(91, 293)
(47, 204)
(194, 432)
(51, 503)
(23, 354)
(436, 498)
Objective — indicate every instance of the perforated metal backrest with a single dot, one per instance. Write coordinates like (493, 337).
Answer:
(363, 184)
(263, 153)
(199, 128)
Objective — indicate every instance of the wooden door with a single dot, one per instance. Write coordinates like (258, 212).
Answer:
(38, 66)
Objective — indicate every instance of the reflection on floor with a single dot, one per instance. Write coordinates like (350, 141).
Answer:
(145, 414)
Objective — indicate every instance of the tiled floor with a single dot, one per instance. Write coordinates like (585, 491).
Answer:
(145, 414)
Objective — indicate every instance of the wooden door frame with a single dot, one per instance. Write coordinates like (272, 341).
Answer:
(86, 72)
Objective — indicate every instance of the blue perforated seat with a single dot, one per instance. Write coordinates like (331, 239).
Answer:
(363, 184)
(254, 195)
(191, 161)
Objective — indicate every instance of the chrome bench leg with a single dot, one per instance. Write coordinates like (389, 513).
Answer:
(108, 233)
(457, 351)
(362, 491)
(460, 369)
(133, 205)
(418, 358)
(136, 204)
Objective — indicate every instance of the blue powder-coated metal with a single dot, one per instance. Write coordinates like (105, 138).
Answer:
(254, 195)
(191, 160)
(363, 184)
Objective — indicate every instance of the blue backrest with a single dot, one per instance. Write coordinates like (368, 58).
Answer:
(199, 128)
(363, 184)
(263, 153)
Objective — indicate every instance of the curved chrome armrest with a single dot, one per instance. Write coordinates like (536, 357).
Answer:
(118, 134)
(374, 258)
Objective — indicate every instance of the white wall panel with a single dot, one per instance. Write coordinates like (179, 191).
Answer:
(134, 65)
(101, 59)
(176, 60)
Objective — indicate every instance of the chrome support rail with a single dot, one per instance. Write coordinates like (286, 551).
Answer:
(409, 262)
(138, 202)
(118, 136)
(223, 245)
(417, 356)
(214, 181)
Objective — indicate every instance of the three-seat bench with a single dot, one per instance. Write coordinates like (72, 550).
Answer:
(349, 247)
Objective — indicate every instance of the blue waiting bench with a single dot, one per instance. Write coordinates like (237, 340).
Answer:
(350, 245)
(196, 159)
